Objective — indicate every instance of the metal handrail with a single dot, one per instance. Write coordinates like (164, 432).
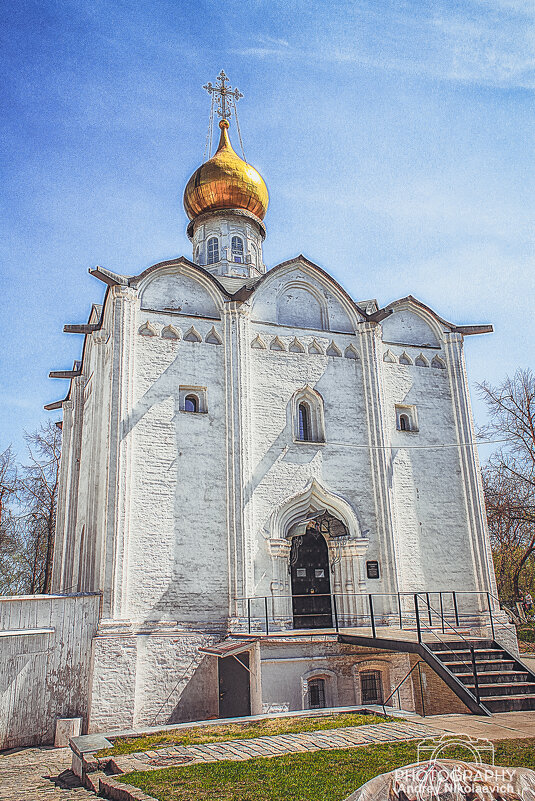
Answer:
(396, 690)
(471, 650)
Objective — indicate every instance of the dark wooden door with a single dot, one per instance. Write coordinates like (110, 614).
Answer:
(234, 686)
(311, 583)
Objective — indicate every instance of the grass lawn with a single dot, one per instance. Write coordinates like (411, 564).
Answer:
(238, 731)
(318, 776)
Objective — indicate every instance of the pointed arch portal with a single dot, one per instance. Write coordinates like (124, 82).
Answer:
(311, 582)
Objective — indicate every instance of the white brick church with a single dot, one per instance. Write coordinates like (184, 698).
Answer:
(254, 463)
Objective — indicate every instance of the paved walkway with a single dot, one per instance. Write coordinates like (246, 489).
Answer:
(27, 775)
(501, 726)
(276, 745)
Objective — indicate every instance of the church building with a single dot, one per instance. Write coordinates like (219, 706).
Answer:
(273, 487)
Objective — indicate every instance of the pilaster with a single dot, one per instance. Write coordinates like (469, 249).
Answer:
(380, 453)
(238, 451)
(484, 577)
(120, 449)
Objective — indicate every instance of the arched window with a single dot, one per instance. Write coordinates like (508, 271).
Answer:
(197, 252)
(213, 250)
(304, 422)
(191, 403)
(371, 687)
(236, 246)
(406, 418)
(307, 413)
(316, 694)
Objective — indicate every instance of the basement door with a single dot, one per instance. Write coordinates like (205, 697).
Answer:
(311, 583)
(234, 686)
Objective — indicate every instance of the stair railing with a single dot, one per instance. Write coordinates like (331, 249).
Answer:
(470, 647)
(403, 680)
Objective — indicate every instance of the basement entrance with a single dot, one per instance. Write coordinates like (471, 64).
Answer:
(311, 583)
(234, 686)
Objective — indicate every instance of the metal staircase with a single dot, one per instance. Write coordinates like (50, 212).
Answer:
(498, 680)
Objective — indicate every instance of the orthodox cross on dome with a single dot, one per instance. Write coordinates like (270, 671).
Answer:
(222, 91)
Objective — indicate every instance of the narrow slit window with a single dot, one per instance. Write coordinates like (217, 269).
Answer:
(304, 422)
(213, 250)
(191, 403)
(404, 423)
(236, 247)
(316, 693)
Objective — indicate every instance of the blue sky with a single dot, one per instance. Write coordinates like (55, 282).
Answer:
(396, 140)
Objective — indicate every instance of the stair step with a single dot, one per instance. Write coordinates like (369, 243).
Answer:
(509, 703)
(484, 667)
(489, 654)
(504, 690)
(497, 677)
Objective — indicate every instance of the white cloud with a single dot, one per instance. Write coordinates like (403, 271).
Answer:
(489, 42)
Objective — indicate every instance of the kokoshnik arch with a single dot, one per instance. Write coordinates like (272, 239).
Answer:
(248, 453)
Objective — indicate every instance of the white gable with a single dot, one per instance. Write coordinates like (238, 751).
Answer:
(299, 298)
(408, 328)
(173, 291)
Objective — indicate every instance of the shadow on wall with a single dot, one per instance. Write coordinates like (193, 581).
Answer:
(200, 697)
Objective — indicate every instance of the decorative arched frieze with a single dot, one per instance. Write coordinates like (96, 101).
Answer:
(192, 335)
(147, 330)
(351, 352)
(170, 332)
(315, 348)
(421, 361)
(295, 346)
(333, 349)
(277, 344)
(405, 358)
(389, 357)
(258, 343)
(438, 363)
(213, 337)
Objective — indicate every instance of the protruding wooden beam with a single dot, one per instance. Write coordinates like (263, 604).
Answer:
(65, 374)
(51, 407)
(82, 328)
(474, 329)
(109, 278)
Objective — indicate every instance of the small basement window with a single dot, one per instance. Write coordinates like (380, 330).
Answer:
(371, 690)
(316, 693)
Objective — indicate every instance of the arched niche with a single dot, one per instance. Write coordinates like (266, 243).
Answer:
(172, 290)
(299, 306)
(408, 328)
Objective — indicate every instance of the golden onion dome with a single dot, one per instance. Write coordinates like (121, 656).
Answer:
(225, 182)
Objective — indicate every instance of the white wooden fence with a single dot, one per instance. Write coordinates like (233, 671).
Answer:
(45, 655)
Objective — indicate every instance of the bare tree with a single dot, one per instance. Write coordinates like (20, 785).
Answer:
(509, 477)
(10, 555)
